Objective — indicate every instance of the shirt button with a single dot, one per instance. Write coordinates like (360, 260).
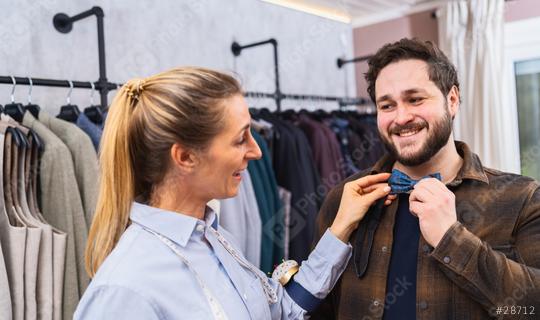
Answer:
(376, 303)
(245, 296)
(446, 259)
(426, 248)
(384, 249)
(423, 305)
(200, 228)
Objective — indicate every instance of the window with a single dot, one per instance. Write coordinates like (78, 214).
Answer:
(527, 75)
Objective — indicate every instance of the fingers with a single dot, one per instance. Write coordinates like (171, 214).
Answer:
(425, 186)
(439, 187)
(431, 184)
(421, 194)
(368, 189)
(378, 193)
(389, 199)
(415, 207)
(370, 180)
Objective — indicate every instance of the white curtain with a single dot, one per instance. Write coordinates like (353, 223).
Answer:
(471, 34)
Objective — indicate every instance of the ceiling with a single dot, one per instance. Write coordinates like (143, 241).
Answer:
(360, 12)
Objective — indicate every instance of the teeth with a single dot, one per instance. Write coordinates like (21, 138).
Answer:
(408, 133)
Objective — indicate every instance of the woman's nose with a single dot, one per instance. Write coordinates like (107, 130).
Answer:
(254, 152)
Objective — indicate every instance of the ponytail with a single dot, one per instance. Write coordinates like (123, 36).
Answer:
(116, 190)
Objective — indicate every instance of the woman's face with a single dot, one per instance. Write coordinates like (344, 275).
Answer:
(219, 171)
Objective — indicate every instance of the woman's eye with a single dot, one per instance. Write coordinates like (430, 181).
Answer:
(243, 140)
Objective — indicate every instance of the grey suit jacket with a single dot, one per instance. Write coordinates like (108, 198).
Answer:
(62, 207)
(84, 157)
(50, 286)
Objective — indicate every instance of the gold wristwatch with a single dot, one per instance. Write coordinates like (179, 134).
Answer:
(285, 271)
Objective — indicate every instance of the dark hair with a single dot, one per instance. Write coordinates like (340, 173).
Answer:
(441, 71)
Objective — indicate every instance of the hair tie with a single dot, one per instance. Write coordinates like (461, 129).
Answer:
(134, 91)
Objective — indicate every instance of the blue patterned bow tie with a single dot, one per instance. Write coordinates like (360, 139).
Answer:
(402, 183)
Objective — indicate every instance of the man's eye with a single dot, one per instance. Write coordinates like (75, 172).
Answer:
(416, 100)
(385, 106)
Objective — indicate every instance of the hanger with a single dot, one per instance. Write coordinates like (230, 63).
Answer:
(93, 112)
(319, 114)
(14, 110)
(30, 107)
(34, 109)
(69, 112)
(288, 114)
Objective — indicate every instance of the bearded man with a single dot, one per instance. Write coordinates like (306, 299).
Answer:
(462, 241)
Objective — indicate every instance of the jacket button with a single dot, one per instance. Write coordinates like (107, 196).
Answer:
(446, 259)
(423, 305)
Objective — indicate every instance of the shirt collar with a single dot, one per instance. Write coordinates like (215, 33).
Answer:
(472, 167)
(176, 226)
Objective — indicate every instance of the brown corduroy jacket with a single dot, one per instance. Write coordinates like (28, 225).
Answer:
(490, 258)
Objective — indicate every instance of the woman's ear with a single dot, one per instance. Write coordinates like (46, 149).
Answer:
(183, 158)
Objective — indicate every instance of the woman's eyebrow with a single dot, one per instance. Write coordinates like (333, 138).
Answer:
(244, 128)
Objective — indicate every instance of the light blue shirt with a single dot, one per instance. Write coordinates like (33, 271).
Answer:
(142, 278)
(240, 216)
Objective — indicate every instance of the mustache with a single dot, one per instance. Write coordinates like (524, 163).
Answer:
(411, 126)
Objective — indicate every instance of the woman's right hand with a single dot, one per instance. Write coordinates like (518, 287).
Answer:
(358, 195)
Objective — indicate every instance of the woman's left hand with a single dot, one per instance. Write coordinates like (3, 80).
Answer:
(358, 195)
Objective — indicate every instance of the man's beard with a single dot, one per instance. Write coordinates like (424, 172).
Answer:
(436, 140)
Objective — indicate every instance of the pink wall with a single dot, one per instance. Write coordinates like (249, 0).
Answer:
(367, 40)
(521, 9)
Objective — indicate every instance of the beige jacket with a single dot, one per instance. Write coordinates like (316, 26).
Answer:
(62, 207)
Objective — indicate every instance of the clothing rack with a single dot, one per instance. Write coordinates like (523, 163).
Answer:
(279, 96)
(340, 62)
(64, 24)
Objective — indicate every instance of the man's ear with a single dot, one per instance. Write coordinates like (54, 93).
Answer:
(183, 158)
(452, 100)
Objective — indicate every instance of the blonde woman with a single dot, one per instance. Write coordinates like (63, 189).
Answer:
(173, 142)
